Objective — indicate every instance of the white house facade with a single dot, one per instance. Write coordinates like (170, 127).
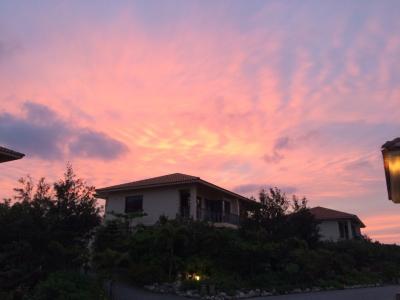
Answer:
(336, 225)
(171, 196)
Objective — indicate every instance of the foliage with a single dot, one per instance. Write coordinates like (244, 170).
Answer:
(68, 286)
(44, 229)
(275, 217)
(231, 258)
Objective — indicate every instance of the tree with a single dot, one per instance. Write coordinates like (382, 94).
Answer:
(73, 217)
(45, 228)
(275, 217)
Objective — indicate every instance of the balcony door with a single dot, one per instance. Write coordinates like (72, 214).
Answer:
(184, 203)
(214, 210)
(227, 208)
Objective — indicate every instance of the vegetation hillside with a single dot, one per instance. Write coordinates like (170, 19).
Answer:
(52, 237)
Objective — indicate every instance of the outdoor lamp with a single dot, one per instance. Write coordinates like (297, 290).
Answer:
(391, 161)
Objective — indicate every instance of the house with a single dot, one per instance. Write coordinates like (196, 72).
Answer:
(336, 225)
(8, 155)
(174, 195)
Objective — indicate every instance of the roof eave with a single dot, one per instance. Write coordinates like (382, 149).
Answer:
(10, 156)
(209, 184)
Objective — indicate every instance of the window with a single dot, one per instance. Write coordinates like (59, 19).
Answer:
(134, 204)
(184, 204)
(227, 207)
(198, 208)
(354, 231)
(343, 230)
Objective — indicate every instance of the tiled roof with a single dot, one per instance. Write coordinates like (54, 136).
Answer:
(7, 154)
(170, 179)
(322, 213)
(166, 180)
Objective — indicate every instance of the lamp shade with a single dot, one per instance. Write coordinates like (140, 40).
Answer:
(391, 162)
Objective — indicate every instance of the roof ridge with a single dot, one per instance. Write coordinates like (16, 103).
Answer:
(178, 173)
(170, 174)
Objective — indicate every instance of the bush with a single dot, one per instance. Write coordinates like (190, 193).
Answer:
(231, 259)
(68, 286)
(188, 284)
(144, 273)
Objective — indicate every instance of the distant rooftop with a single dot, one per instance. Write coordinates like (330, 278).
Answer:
(323, 214)
(8, 155)
(160, 181)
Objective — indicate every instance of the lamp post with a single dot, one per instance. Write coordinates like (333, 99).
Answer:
(391, 162)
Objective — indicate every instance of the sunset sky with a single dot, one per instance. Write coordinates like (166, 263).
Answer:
(245, 94)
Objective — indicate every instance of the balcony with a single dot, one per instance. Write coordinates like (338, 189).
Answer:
(184, 212)
(217, 217)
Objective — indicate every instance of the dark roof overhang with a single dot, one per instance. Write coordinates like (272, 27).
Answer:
(9, 155)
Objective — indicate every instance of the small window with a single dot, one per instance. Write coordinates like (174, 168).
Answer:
(184, 204)
(354, 231)
(343, 230)
(227, 207)
(134, 204)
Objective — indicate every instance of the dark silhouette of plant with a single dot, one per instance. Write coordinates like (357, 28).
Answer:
(45, 228)
(276, 217)
(247, 258)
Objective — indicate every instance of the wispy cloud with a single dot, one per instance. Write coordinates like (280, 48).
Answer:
(280, 145)
(253, 189)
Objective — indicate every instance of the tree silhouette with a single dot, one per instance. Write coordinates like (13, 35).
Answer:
(45, 228)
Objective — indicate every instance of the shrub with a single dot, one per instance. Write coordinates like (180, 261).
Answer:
(145, 273)
(67, 286)
(231, 259)
(188, 284)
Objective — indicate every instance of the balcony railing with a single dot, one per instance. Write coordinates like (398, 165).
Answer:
(217, 217)
(184, 213)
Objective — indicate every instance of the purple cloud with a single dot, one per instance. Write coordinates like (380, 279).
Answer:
(280, 144)
(41, 133)
(94, 144)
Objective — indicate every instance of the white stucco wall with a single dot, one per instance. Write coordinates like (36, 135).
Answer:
(156, 202)
(329, 230)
